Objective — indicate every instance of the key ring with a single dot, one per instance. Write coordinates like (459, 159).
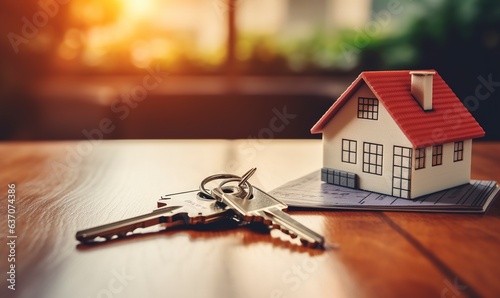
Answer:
(228, 178)
(249, 186)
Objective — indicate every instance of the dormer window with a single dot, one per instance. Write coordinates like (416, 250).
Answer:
(368, 108)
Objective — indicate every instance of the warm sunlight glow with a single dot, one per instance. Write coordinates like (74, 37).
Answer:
(144, 52)
(106, 36)
(138, 9)
(137, 33)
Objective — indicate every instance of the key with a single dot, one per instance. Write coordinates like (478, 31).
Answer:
(187, 208)
(262, 207)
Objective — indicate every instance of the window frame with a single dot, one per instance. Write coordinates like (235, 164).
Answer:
(437, 155)
(368, 108)
(401, 171)
(368, 155)
(458, 151)
(350, 151)
(420, 158)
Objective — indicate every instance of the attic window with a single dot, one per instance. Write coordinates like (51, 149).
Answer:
(368, 108)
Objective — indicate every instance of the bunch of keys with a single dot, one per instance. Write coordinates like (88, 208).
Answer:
(234, 199)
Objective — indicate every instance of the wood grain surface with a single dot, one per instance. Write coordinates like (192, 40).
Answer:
(62, 187)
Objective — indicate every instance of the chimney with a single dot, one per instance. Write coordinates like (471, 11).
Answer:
(421, 87)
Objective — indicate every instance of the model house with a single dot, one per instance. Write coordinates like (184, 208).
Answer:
(401, 133)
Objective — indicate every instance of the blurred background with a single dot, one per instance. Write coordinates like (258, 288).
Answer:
(115, 69)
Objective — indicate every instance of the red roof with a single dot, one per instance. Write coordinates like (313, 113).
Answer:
(448, 121)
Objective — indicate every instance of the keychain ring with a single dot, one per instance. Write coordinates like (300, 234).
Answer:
(204, 191)
(248, 185)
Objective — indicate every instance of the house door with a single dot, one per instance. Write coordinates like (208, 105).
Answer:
(401, 172)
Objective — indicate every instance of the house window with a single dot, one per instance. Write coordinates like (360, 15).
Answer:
(458, 151)
(368, 108)
(349, 151)
(372, 158)
(437, 155)
(401, 172)
(419, 158)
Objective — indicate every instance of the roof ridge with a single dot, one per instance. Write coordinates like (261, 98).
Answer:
(449, 120)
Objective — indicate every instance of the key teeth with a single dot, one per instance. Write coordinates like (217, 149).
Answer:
(287, 231)
(257, 218)
(311, 244)
(303, 241)
(275, 226)
(261, 218)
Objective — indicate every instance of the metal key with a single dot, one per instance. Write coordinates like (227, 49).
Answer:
(187, 208)
(262, 207)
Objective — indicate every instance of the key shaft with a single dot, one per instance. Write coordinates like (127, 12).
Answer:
(122, 227)
(188, 208)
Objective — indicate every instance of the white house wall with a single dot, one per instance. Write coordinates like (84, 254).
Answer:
(435, 178)
(346, 125)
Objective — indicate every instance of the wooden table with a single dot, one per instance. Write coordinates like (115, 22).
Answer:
(62, 187)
